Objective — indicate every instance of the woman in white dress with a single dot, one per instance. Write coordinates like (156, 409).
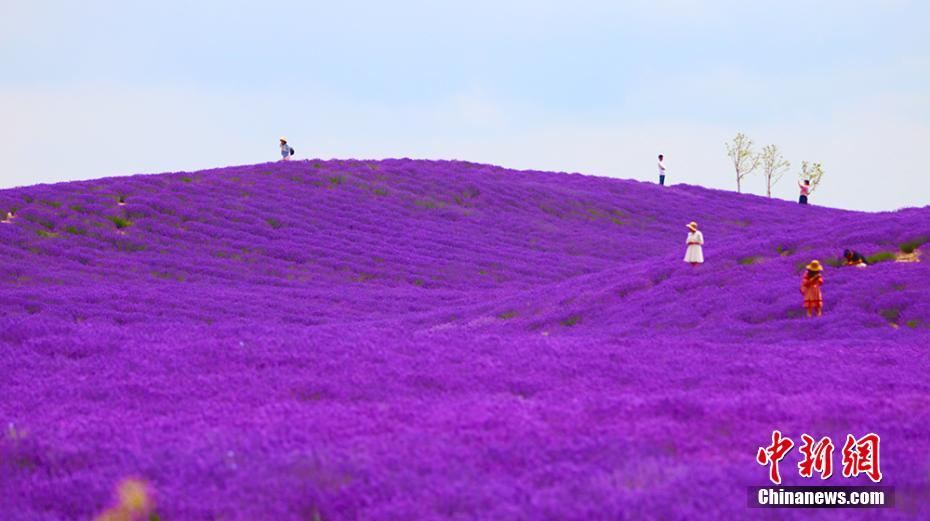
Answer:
(694, 254)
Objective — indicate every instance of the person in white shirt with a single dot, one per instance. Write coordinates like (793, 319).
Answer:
(661, 170)
(286, 150)
(694, 255)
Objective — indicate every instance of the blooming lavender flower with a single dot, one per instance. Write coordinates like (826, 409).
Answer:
(439, 340)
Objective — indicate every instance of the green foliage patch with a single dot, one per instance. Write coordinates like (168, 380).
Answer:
(428, 203)
(882, 256)
(892, 315)
(910, 246)
(120, 222)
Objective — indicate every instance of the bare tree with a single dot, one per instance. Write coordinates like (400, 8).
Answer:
(774, 166)
(813, 172)
(744, 159)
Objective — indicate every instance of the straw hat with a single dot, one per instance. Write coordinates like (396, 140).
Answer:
(692, 225)
(284, 139)
(815, 266)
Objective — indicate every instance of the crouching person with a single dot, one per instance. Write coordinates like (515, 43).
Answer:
(854, 258)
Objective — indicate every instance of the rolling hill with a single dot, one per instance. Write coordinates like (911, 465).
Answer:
(406, 339)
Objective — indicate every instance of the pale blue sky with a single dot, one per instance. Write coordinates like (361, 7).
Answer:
(99, 88)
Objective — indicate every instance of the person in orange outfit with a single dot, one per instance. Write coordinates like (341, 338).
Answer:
(810, 288)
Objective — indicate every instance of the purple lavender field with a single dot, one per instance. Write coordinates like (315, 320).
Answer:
(398, 340)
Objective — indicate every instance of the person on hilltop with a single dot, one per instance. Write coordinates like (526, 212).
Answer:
(810, 288)
(854, 258)
(694, 254)
(805, 191)
(661, 170)
(286, 150)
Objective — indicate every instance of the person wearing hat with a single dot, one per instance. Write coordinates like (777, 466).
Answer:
(694, 254)
(286, 150)
(810, 288)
